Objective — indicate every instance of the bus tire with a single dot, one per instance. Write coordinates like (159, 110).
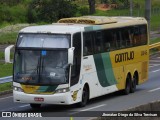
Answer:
(85, 97)
(126, 91)
(133, 83)
(35, 106)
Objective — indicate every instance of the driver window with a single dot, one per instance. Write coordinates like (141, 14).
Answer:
(75, 68)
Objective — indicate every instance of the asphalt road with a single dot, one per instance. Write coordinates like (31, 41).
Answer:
(145, 93)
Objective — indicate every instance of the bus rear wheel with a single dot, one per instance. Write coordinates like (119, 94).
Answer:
(85, 97)
(35, 106)
(133, 83)
(126, 91)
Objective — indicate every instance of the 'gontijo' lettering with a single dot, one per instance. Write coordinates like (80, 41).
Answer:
(124, 56)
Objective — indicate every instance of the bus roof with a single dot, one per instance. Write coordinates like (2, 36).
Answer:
(76, 24)
(54, 28)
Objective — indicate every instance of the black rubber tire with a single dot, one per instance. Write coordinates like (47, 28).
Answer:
(133, 84)
(85, 97)
(126, 91)
(35, 106)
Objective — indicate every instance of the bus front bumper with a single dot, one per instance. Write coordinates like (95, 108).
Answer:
(57, 98)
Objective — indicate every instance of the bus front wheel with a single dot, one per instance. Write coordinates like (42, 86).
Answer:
(35, 106)
(85, 97)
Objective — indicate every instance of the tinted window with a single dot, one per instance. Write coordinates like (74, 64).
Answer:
(98, 42)
(88, 43)
(114, 39)
(44, 40)
(75, 69)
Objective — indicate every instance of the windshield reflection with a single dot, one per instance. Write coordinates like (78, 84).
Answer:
(41, 66)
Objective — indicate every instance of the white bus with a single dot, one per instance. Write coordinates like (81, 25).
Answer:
(78, 59)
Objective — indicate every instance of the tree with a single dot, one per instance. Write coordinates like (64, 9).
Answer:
(125, 3)
(50, 10)
(91, 6)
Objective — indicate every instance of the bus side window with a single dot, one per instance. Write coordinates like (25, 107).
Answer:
(131, 34)
(119, 39)
(88, 46)
(136, 39)
(107, 41)
(143, 34)
(98, 42)
(125, 37)
(75, 68)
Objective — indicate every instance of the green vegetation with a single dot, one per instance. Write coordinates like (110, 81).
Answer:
(5, 69)
(50, 10)
(5, 86)
(155, 22)
(2, 55)
(154, 40)
(8, 38)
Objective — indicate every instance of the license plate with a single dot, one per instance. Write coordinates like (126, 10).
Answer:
(38, 99)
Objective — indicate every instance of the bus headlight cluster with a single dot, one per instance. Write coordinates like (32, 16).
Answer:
(17, 89)
(62, 90)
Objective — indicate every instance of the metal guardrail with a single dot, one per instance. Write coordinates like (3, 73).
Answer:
(6, 79)
(155, 45)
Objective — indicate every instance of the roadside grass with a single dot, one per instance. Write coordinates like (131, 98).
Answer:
(5, 69)
(6, 86)
(154, 41)
(155, 22)
(4, 24)
(8, 38)
(2, 55)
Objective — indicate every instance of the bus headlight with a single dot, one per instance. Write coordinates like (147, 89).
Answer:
(62, 90)
(17, 89)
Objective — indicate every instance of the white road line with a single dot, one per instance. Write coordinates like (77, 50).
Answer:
(154, 89)
(12, 108)
(23, 106)
(6, 97)
(87, 109)
(93, 107)
(154, 61)
(155, 71)
(154, 65)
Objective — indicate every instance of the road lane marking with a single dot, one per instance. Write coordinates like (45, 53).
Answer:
(23, 106)
(154, 89)
(154, 65)
(6, 97)
(154, 61)
(71, 118)
(155, 71)
(88, 109)
(12, 108)
(93, 107)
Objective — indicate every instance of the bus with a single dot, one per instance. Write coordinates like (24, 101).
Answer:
(80, 58)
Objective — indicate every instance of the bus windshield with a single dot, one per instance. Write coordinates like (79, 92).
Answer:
(42, 59)
(41, 67)
(44, 40)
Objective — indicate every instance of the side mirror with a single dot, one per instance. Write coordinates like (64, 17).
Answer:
(7, 54)
(70, 55)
